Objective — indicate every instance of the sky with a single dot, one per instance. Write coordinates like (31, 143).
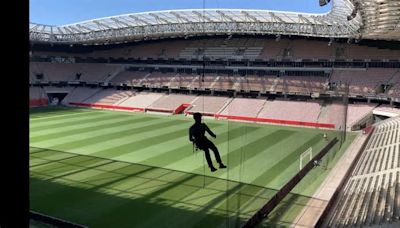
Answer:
(60, 12)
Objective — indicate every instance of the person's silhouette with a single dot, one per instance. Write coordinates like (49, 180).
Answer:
(197, 136)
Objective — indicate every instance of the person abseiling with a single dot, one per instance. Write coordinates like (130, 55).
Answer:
(198, 138)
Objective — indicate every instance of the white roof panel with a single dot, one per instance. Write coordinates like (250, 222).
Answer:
(374, 19)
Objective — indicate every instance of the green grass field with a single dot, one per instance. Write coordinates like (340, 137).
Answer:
(116, 169)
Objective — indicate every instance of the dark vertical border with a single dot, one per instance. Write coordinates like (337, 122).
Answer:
(15, 97)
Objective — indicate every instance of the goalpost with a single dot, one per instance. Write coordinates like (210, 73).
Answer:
(304, 154)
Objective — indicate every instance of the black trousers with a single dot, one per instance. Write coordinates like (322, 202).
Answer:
(206, 145)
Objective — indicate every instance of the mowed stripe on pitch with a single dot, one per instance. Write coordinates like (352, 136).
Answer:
(37, 120)
(105, 126)
(145, 139)
(88, 142)
(78, 125)
(95, 137)
(120, 139)
(71, 118)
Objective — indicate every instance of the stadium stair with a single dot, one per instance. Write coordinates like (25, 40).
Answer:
(214, 82)
(225, 105)
(66, 98)
(196, 78)
(265, 104)
(323, 115)
(273, 86)
(114, 74)
(285, 86)
(144, 78)
(173, 79)
(92, 95)
(238, 85)
(128, 94)
(263, 84)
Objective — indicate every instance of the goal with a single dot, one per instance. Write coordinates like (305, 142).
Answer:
(306, 153)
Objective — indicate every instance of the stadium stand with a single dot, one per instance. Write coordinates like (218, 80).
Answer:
(207, 82)
(334, 114)
(285, 84)
(108, 96)
(68, 71)
(235, 48)
(355, 51)
(394, 82)
(157, 79)
(275, 50)
(357, 112)
(238, 48)
(295, 85)
(395, 92)
(224, 82)
(254, 82)
(79, 94)
(129, 77)
(304, 85)
(363, 82)
(208, 105)
(197, 82)
(200, 82)
(278, 85)
(182, 80)
(291, 110)
(170, 103)
(37, 97)
(302, 50)
(386, 110)
(141, 100)
(236, 107)
(35, 93)
(154, 50)
(371, 195)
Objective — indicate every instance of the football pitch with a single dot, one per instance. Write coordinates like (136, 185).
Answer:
(116, 169)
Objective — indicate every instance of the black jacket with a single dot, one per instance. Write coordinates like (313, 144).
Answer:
(197, 133)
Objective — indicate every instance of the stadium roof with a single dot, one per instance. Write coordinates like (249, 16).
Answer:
(367, 19)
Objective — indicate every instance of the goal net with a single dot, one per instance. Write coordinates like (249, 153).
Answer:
(305, 154)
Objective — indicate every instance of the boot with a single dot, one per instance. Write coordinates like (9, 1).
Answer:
(221, 165)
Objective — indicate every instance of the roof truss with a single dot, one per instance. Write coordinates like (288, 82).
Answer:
(372, 20)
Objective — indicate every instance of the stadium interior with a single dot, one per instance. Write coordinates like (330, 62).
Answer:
(347, 86)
